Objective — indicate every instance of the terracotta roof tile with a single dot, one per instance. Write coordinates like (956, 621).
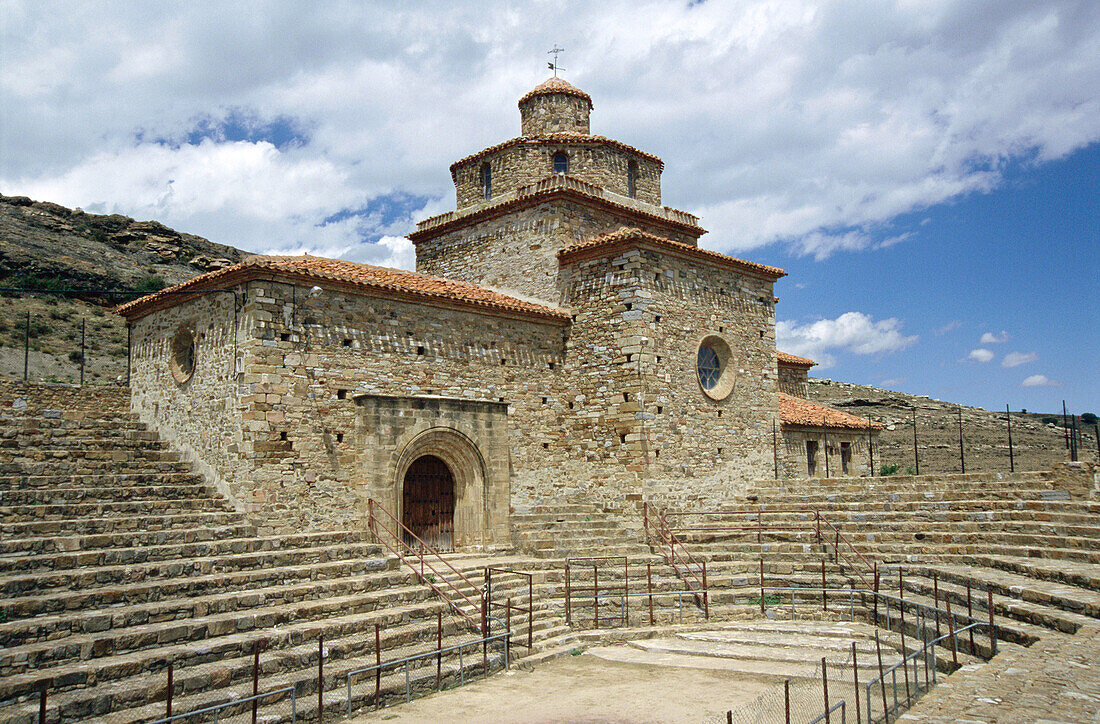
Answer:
(559, 137)
(366, 277)
(790, 359)
(556, 85)
(550, 187)
(628, 235)
(797, 411)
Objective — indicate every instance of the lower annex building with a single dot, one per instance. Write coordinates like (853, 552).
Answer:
(563, 339)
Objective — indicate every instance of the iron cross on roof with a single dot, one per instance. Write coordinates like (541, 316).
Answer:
(554, 66)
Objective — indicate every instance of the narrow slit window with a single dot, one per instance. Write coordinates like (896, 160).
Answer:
(486, 181)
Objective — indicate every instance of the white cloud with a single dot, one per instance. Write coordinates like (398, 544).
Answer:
(1039, 381)
(804, 122)
(949, 327)
(1015, 359)
(980, 355)
(990, 338)
(853, 332)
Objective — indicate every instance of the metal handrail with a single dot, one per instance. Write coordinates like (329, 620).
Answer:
(236, 702)
(826, 716)
(477, 606)
(665, 535)
(506, 636)
(529, 609)
(841, 537)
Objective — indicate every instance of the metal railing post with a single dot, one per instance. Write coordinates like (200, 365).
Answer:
(649, 588)
(706, 594)
(377, 663)
(439, 644)
(970, 615)
(320, 679)
(882, 682)
(855, 682)
(951, 632)
(169, 692)
(992, 628)
(825, 688)
(824, 596)
(761, 585)
(568, 617)
(596, 594)
(787, 701)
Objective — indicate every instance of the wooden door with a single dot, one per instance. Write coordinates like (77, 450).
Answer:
(428, 498)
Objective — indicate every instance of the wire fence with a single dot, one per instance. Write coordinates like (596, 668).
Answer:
(286, 679)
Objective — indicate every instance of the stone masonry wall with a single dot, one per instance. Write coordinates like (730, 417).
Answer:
(35, 398)
(201, 417)
(793, 380)
(793, 462)
(518, 252)
(525, 163)
(554, 113)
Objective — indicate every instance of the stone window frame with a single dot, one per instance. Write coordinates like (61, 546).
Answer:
(727, 376)
(485, 175)
(183, 354)
(560, 158)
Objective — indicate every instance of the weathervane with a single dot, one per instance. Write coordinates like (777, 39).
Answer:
(554, 66)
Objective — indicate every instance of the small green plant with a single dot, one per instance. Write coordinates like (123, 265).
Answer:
(910, 470)
(576, 652)
(150, 284)
(887, 470)
(1089, 418)
(770, 599)
(3, 615)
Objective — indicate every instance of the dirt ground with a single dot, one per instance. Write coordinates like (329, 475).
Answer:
(587, 690)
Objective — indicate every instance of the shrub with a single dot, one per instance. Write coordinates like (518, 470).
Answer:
(75, 357)
(1089, 418)
(910, 470)
(150, 284)
(888, 470)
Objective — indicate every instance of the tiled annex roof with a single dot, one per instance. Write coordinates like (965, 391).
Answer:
(556, 85)
(628, 236)
(556, 185)
(351, 276)
(559, 137)
(790, 359)
(797, 411)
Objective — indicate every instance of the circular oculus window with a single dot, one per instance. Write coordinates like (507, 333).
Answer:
(714, 368)
(181, 358)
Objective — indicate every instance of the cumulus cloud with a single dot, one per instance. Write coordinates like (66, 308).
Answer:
(949, 327)
(1015, 359)
(853, 332)
(802, 122)
(990, 338)
(1039, 381)
(980, 355)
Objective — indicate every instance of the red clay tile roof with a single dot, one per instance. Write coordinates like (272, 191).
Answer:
(556, 85)
(628, 236)
(789, 359)
(559, 137)
(553, 186)
(351, 276)
(797, 411)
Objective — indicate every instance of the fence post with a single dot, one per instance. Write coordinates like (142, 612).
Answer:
(936, 599)
(596, 594)
(255, 678)
(870, 448)
(1011, 459)
(27, 350)
(507, 619)
(1065, 423)
(484, 637)
(649, 588)
(962, 455)
(881, 681)
(83, 347)
(970, 616)
(904, 654)
(129, 340)
(378, 664)
(787, 701)
(568, 618)
(169, 692)
(439, 646)
(530, 611)
(320, 679)
(775, 451)
(992, 629)
(951, 632)
(42, 702)
(626, 586)
(824, 597)
(916, 457)
(825, 431)
(706, 594)
(761, 585)
(825, 688)
(855, 680)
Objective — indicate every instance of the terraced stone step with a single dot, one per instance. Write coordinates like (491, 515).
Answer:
(910, 553)
(218, 632)
(20, 513)
(82, 578)
(100, 480)
(1082, 575)
(61, 495)
(114, 525)
(67, 544)
(94, 467)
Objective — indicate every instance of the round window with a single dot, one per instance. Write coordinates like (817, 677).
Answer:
(715, 368)
(181, 358)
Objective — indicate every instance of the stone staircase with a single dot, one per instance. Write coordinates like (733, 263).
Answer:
(116, 559)
(1033, 539)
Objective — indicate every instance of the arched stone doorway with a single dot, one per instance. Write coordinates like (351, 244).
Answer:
(428, 502)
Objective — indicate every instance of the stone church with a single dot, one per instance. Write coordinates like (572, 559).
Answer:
(563, 339)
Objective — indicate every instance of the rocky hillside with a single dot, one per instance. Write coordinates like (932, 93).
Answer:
(47, 246)
(1038, 440)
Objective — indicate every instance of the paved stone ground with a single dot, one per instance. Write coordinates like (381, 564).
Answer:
(1055, 680)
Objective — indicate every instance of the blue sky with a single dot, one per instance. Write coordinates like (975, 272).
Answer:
(927, 171)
